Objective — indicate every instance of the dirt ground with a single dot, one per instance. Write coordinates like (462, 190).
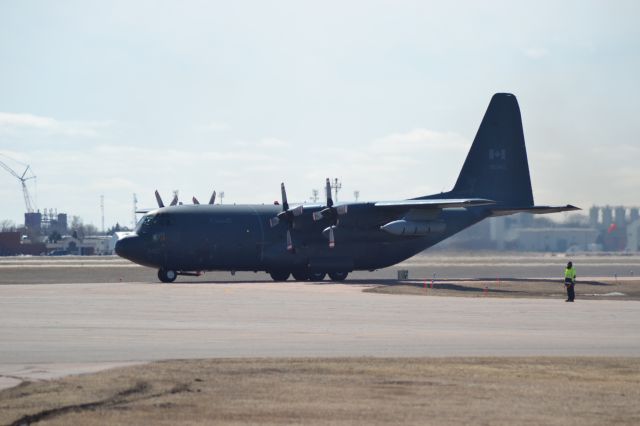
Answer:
(621, 289)
(562, 391)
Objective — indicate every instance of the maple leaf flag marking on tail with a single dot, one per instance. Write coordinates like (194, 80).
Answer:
(497, 154)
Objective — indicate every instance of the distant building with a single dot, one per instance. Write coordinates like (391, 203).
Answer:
(11, 244)
(88, 246)
(633, 236)
(558, 239)
(605, 229)
(33, 222)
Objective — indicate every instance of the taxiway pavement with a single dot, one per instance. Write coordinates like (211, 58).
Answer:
(49, 327)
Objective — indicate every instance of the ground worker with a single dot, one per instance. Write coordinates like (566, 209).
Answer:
(570, 282)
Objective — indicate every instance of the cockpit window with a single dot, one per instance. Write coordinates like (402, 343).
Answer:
(144, 224)
(164, 220)
(153, 221)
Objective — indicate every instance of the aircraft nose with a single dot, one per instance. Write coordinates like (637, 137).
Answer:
(127, 247)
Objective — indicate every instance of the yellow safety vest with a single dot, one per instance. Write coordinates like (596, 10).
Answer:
(570, 273)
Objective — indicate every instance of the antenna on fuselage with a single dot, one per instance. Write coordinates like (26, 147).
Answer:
(135, 208)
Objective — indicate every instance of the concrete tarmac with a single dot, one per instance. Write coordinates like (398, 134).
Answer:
(45, 328)
(439, 265)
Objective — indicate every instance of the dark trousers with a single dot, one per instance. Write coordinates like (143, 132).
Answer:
(571, 294)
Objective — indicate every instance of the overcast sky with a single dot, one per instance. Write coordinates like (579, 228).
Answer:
(114, 98)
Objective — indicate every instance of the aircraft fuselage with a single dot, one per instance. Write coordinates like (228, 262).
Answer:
(240, 238)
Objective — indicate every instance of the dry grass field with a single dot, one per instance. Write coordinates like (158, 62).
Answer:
(561, 391)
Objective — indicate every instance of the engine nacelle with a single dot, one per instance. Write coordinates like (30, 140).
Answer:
(412, 228)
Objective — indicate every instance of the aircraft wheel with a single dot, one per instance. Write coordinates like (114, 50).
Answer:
(338, 276)
(301, 275)
(167, 275)
(317, 276)
(279, 275)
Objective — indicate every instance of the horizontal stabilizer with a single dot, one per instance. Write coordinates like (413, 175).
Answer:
(435, 203)
(533, 210)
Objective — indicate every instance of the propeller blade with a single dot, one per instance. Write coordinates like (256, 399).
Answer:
(174, 201)
(285, 204)
(274, 221)
(195, 200)
(289, 241)
(159, 199)
(212, 200)
(328, 191)
(332, 239)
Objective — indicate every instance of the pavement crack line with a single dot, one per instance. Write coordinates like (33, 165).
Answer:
(119, 398)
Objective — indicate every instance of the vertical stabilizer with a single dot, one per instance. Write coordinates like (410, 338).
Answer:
(496, 167)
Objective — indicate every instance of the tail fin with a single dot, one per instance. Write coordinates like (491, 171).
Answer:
(496, 167)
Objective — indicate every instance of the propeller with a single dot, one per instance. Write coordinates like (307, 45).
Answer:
(175, 199)
(330, 212)
(159, 199)
(212, 200)
(286, 215)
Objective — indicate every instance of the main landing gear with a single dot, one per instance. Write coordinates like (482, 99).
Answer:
(338, 276)
(303, 275)
(170, 275)
(167, 275)
(279, 275)
(317, 276)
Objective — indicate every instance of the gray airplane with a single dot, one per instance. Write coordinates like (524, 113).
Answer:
(311, 241)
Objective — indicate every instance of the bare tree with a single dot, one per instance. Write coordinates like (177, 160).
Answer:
(7, 226)
(79, 230)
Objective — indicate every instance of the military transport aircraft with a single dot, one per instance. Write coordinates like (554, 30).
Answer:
(309, 241)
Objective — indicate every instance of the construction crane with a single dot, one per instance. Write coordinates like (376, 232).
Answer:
(23, 178)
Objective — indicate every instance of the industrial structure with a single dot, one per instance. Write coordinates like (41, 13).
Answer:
(46, 222)
(23, 177)
(36, 223)
(609, 229)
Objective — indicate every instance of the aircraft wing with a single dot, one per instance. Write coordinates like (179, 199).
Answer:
(533, 210)
(435, 203)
